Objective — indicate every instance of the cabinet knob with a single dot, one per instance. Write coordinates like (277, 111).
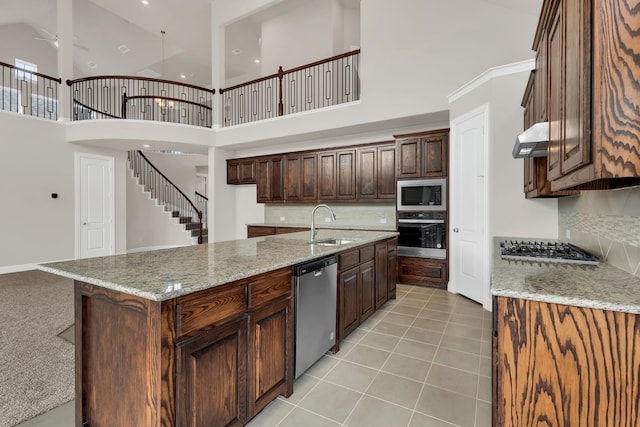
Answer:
(455, 230)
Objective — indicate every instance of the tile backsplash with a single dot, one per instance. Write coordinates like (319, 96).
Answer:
(605, 222)
(350, 215)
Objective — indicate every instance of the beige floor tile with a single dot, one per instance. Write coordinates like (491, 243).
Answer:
(381, 341)
(405, 309)
(414, 302)
(390, 329)
(416, 349)
(460, 343)
(440, 316)
(271, 415)
(423, 335)
(484, 389)
(483, 414)
(447, 405)
(457, 359)
(351, 375)
(301, 387)
(454, 380)
(467, 320)
(445, 308)
(356, 335)
(322, 366)
(399, 319)
(421, 420)
(368, 356)
(372, 412)
(394, 389)
(345, 348)
(423, 298)
(62, 416)
(486, 367)
(464, 331)
(431, 324)
(331, 401)
(408, 367)
(301, 417)
(486, 349)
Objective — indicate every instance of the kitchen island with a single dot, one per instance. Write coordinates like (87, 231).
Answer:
(565, 343)
(198, 335)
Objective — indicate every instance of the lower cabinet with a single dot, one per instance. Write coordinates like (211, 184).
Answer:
(563, 365)
(366, 279)
(264, 230)
(423, 272)
(212, 377)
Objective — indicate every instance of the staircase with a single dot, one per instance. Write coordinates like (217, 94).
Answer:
(170, 197)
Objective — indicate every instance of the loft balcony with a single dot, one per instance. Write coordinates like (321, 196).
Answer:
(328, 82)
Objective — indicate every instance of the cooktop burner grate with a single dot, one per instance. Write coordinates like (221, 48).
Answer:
(546, 252)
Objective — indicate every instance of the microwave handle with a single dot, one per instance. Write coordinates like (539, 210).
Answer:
(421, 221)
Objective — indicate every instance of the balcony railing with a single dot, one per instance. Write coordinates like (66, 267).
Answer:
(320, 84)
(141, 98)
(28, 92)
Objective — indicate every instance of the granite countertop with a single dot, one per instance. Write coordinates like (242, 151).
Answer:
(603, 287)
(167, 273)
(326, 226)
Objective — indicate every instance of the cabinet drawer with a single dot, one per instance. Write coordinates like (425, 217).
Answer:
(196, 311)
(270, 287)
(366, 253)
(348, 259)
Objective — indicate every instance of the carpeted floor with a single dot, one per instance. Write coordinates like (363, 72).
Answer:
(36, 366)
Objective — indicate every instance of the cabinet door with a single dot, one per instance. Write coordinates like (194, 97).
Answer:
(241, 171)
(258, 231)
(367, 172)
(392, 272)
(233, 172)
(263, 181)
(346, 164)
(576, 141)
(408, 158)
(434, 156)
(327, 176)
(554, 61)
(367, 290)
(277, 179)
(293, 178)
(309, 177)
(386, 187)
(381, 274)
(271, 356)
(422, 272)
(212, 376)
(349, 301)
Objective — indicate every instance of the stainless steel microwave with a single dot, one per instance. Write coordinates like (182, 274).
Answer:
(422, 195)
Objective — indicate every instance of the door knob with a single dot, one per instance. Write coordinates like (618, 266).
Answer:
(455, 230)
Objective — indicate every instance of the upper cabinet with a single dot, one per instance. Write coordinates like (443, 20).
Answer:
(587, 86)
(422, 155)
(241, 171)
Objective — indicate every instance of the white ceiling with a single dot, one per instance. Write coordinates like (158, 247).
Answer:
(102, 26)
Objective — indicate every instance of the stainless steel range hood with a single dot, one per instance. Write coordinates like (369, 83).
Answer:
(532, 142)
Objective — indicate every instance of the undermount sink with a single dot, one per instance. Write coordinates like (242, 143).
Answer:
(334, 241)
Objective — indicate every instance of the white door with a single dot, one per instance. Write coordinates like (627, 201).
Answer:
(468, 208)
(95, 207)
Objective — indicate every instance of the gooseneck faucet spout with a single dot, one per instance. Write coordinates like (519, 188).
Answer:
(313, 221)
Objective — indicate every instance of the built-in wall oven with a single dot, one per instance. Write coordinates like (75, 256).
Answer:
(422, 234)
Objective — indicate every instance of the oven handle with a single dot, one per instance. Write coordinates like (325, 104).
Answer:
(421, 221)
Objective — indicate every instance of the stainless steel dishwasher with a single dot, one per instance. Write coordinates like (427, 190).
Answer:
(316, 301)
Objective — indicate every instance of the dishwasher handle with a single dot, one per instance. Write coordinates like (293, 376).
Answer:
(316, 266)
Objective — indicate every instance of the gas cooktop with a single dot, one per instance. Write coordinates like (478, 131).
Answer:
(546, 252)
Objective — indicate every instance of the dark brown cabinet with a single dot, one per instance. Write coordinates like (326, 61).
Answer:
(382, 276)
(587, 87)
(375, 172)
(271, 354)
(392, 268)
(212, 372)
(262, 230)
(327, 176)
(386, 173)
(346, 180)
(270, 179)
(422, 155)
(241, 171)
(349, 301)
(423, 272)
(367, 286)
(301, 177)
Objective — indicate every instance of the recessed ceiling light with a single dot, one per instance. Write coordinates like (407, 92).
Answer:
(182, 76)
(257, 61)
(145, 2)
(92, 64)
(123, 48)
(146, 145)
(236, 51)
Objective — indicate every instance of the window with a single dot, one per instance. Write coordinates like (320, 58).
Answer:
(26, 66)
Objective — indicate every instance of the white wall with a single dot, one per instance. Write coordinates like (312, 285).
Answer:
(36, 161)
(19, 41)
(149, 226)
(414, 53)
(180, 169)
(510, 214)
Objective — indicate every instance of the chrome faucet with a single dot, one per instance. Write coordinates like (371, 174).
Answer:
(313, 221)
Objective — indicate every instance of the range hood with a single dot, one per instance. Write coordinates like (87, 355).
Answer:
(532, 142)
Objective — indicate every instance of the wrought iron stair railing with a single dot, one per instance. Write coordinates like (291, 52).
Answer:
(28, 92)
(167, 194)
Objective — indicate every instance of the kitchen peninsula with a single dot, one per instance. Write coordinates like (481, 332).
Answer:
(566, 341)
(199, 335)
